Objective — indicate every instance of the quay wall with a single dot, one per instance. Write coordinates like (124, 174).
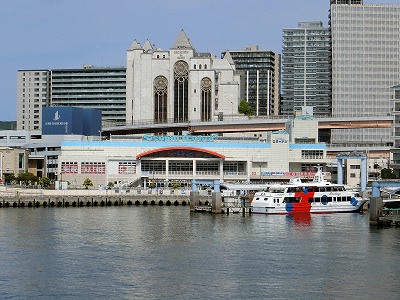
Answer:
(95, 198)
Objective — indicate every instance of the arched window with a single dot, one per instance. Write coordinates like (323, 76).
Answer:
(160, 86)
(181, 79)
(200, 67)
(205, 66)
(194, 66)
(205, 114)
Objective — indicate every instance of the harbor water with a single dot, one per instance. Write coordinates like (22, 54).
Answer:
(164, 252)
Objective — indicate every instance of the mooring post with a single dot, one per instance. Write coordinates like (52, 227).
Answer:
(216, 202)
(194, 200)
(375, 204)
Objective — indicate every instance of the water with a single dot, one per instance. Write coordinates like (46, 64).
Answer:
(169, 253)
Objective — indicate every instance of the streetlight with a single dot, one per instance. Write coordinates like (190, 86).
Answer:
(232, 110)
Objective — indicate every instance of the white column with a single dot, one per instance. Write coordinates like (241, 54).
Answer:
(258, 99)
(268, 91)
(247, 86)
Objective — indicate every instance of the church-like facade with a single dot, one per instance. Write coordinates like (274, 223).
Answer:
(179, 85)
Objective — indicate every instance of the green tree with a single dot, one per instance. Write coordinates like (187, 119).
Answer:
(27, 178)
(88, 182)
(44, 182)
(387, 174)
(110, 184)
(245, 108)
(10, 178)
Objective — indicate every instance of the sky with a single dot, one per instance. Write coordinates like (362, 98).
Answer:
(51, 34)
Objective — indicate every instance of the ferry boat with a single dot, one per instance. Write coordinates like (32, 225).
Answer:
(318, 196)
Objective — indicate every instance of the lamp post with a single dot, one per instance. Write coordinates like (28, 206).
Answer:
(232, 110)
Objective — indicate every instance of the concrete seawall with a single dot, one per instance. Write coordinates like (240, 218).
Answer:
(94, 198)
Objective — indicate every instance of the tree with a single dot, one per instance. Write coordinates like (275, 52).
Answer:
(27, 178)
(387, 174)
(245, 108)
(44, 182)
(87, 183)
(10, 178)
(110, 184)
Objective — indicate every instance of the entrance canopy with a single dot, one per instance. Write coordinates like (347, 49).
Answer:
(181, 152)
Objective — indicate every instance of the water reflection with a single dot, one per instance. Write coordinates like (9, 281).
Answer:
(170, 253)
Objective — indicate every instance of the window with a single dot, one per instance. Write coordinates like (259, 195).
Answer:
(312, 154)
(205, 99)
(126, 167)
(160, 86)
(69, 167)
(93, 168)
(181, 83)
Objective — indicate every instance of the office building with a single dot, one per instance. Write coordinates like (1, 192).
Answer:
(365, 65)
(100, 88)
(348, 2)
(306, 79)
(260, 72)
(33, 93)
(395, 163)
(178, 85)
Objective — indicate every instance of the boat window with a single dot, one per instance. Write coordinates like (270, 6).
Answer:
(257, 199)
(322, 189)
(328, 188)
(335, 188)
(341, 188)
(291, 190)
(290, 199)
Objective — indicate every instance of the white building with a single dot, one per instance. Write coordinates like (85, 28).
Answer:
(161, 159)
(178, 85)
(365, 65)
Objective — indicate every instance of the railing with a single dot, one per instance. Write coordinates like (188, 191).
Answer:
(391, 212)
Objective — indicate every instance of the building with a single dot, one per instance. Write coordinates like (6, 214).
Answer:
(100, 88)
(33, 93)
(349, 2)
(306, 76)
(395, 163)
(177, 158)
(365, 65)
(260, 71)
(13, 161)
(178, 85)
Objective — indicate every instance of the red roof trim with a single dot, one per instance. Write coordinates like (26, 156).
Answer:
(180, 148)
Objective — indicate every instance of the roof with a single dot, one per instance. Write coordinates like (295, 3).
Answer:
(182, 41)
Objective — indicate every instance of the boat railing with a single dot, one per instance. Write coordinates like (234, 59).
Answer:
(393, 212)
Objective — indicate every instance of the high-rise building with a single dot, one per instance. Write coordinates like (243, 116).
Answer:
(349, 2)
(33, 93)
(101, 88)
(260, 71)
(365, 65)
(395, 163)
(306, 79)
(178, 85)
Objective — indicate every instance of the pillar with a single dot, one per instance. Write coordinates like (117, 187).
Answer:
(363, 174)
(194, 200)
(340, 171)
(216, 203)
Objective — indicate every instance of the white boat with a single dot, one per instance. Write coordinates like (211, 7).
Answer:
(318, 196)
